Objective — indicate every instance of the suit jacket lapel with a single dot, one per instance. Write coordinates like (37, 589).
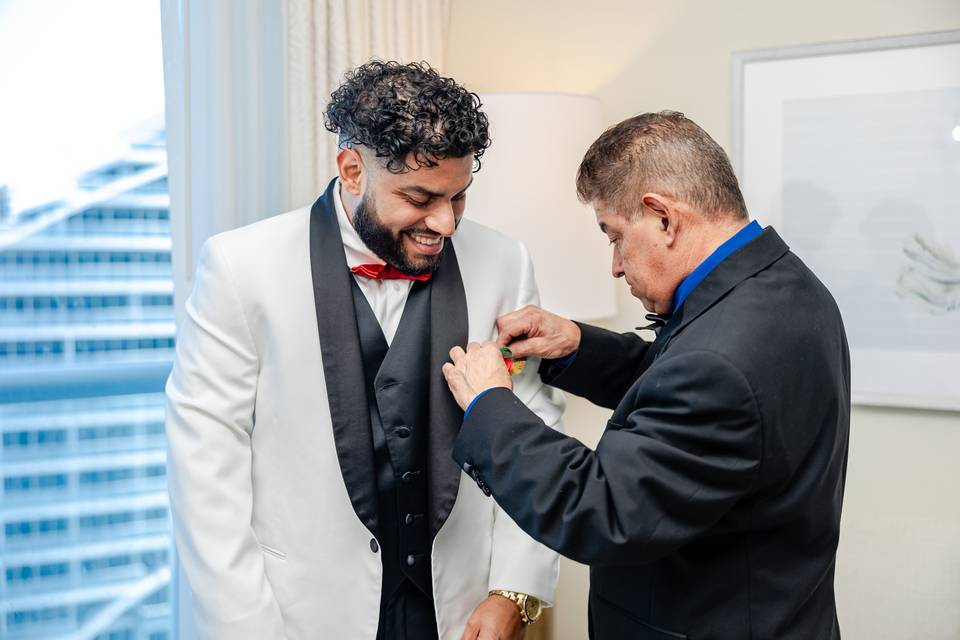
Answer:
(342, 358)
(745, 263)
(448, 324)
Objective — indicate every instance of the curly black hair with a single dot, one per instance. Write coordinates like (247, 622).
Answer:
(401, 109)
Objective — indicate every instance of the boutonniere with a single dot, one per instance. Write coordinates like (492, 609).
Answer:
(514, 365)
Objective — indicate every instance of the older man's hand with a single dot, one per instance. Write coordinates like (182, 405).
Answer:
(531, 331)
(478, 368)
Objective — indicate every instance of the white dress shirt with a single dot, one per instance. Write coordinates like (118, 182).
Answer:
(386, 297)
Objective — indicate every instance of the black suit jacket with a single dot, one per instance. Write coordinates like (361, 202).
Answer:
(711, 506)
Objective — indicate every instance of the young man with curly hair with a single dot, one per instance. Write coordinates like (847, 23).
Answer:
(310, 430)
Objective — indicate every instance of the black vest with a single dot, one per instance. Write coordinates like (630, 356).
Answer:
(397, 380)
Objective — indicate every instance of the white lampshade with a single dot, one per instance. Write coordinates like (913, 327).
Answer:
(527, 190)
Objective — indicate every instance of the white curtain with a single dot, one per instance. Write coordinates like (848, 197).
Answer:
(324, 40)
(247, 83)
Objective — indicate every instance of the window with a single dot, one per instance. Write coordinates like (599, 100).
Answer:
(86, 322)
(31, 441)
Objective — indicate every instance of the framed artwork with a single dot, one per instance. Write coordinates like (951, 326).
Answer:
(852, 152)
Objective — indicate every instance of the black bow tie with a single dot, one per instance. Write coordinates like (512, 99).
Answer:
(656, 323)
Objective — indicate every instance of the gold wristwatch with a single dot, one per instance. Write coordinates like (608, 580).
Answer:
(530, 608)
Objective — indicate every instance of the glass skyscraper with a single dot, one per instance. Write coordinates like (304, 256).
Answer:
(86, 343)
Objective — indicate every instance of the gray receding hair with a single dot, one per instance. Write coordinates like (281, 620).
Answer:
(663, 152)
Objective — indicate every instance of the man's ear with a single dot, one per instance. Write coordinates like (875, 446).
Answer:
(667, 213)
(352, 170)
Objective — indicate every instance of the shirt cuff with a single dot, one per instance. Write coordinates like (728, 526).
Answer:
(474, 401)
(566, 362)
(553, 368)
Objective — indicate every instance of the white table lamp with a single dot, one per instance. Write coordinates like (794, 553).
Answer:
(526, 189)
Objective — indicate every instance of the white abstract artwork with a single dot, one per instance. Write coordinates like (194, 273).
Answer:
(852, 152)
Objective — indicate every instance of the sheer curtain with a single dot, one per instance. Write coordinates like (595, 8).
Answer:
(247, 82)
(325, 39)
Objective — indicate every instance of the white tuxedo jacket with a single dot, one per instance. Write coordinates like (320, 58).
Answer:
(270, 468)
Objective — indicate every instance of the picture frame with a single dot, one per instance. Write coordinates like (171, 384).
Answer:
(851, 150)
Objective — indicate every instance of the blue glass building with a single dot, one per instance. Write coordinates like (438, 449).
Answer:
(86, 343)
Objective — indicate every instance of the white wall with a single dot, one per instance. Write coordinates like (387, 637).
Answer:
(899, 564)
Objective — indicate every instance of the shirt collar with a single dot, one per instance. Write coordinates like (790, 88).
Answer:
(356, 251)
(737, 241)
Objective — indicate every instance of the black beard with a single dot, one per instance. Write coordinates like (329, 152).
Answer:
(387, 245)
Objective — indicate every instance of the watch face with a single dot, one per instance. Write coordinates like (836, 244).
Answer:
(533, 608)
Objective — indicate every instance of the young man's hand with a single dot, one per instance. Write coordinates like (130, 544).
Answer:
(496, 618)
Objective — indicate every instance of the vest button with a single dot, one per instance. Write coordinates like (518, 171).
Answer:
(408, 520)
(411, 560)
(373, 545)
(403, 432)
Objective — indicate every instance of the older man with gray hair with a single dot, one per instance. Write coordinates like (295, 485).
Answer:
(710, 508)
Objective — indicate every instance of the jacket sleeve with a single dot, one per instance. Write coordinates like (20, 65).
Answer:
(519, 563)
(687, 451)
(605, 366)
(210, 415)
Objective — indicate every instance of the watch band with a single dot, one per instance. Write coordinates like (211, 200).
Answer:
(519, 599)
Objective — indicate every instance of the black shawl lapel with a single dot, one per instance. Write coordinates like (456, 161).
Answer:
(342, 358)
(448, 324)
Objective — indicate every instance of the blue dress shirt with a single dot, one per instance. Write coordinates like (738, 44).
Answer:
(739, 239)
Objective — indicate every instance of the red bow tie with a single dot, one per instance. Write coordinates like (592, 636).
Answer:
(385, 272)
